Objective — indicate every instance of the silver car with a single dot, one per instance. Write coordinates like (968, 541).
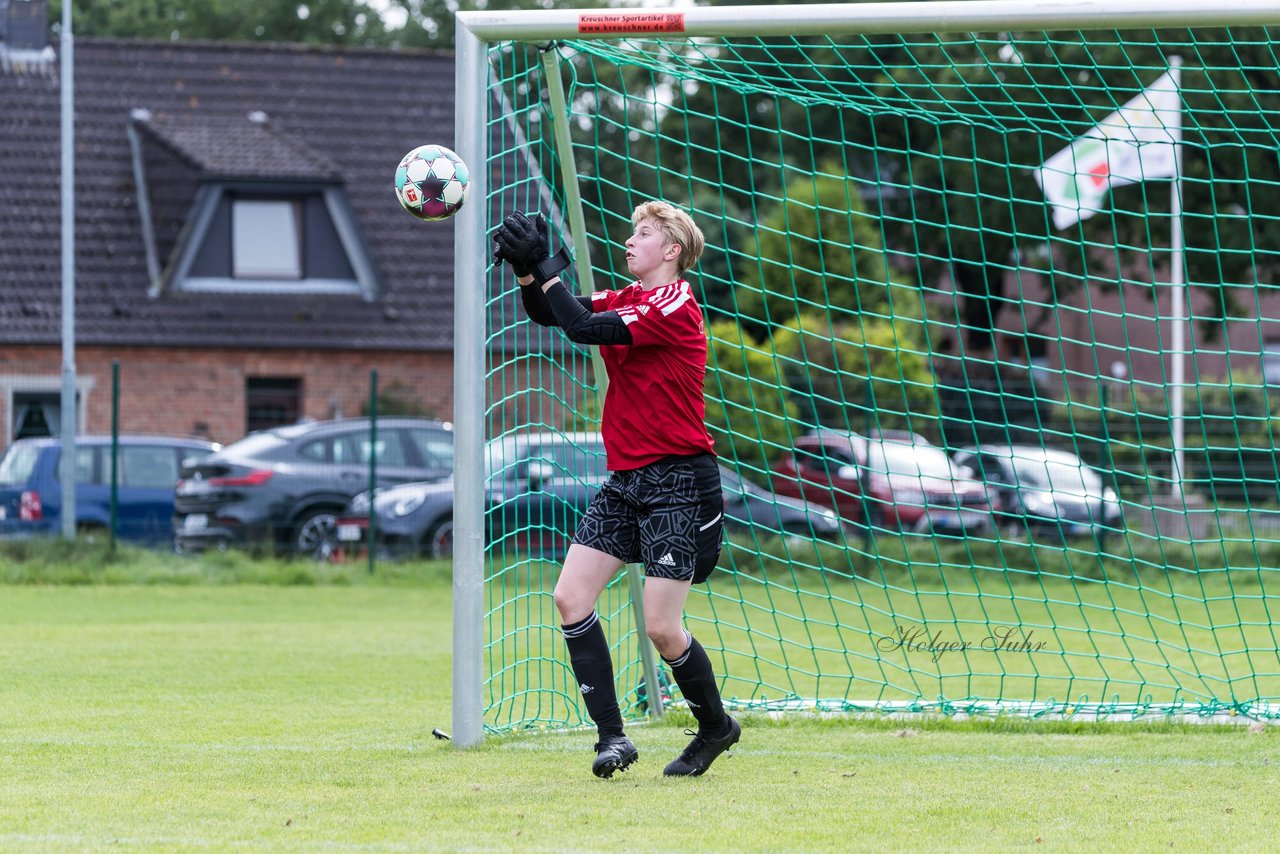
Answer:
(1043, 490)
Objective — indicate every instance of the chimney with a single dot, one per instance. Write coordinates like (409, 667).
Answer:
(24, 38)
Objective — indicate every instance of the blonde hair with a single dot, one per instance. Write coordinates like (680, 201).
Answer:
(677, 227)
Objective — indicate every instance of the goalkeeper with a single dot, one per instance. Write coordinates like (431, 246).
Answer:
(662, 504)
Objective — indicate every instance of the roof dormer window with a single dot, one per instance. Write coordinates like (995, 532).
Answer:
(242, 207)
(265, 239)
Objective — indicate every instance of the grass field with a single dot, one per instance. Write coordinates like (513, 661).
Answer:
(791, 628)
(212, 716)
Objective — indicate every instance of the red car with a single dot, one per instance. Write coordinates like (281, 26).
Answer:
(894, 479)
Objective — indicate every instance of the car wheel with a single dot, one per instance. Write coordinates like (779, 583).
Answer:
(438, 543)
(315, 535)
(91, 533)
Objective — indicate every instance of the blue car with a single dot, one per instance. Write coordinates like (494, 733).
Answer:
(31, 486)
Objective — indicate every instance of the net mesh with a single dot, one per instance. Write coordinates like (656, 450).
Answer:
(961, 472)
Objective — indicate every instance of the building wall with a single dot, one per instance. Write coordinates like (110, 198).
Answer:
(1134, 325)
(202, 392)
(1124, 332)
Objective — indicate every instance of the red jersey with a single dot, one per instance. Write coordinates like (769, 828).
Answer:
(654, 407)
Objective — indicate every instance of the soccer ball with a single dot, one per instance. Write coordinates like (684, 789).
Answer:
(432, 182)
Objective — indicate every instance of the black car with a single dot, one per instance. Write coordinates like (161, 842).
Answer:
(537, 489)
(1045, 491)
(283, 488)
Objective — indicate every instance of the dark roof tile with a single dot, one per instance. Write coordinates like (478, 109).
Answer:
(349, 114)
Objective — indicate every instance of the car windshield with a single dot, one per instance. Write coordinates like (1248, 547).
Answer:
(910, 460)
(255, 444)
(582, 459)
(735, 485)
(18, 464)
(585, 460)
(1057, 475)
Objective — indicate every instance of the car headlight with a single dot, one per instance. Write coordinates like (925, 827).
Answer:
(1038, 502)
(405, 506)
(360, 503)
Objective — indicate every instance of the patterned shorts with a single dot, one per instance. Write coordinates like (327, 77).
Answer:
(668, 515)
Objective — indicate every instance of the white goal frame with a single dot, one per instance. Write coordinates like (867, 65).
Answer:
(476, 30)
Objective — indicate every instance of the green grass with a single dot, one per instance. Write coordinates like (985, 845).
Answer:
(214, 716)
(93, 561)
(792, 625)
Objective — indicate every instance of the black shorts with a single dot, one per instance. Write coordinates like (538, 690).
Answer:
(668, 515)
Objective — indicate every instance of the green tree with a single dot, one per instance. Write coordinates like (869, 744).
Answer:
(749, 407)
(945, 132)
(819, 249)
(426, 23)
(431, 23)
(345, 22)
(859, 374)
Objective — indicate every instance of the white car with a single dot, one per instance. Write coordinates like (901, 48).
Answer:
(1045, 490)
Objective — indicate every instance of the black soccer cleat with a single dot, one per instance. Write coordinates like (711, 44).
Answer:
(702, 751)
(613, 753)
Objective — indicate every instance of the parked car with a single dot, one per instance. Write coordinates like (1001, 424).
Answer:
(146, 471)
(537, 489)
(283, 488)
(1044, 490)
(892, 479)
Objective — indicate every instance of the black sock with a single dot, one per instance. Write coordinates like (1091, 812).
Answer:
(593, 668)
(698, 685)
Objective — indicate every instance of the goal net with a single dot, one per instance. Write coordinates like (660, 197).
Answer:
(994, 351)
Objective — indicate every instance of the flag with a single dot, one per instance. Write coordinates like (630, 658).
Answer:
(1136, 143)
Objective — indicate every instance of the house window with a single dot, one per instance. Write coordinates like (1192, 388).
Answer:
(36, 414)
(31, 406)
(273, 240)
(1271, 363)
(265, 239)
(272, 402)
(148, 467)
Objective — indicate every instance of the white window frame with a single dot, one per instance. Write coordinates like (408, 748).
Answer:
(266, 239)
(42, 384)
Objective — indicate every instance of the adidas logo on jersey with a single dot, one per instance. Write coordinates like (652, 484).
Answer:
(667, 560)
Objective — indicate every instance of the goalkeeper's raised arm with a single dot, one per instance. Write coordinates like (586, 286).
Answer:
(523, 242)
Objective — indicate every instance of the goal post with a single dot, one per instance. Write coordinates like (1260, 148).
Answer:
(901, 275)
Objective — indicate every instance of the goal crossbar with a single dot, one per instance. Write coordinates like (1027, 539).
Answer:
(945, 16)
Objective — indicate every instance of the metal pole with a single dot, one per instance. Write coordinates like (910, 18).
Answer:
(572, 193)
(586, 281)
(1178, 290)
(115, 448)
(1105, 429)
(373, 467)
(68, 403)
(470, 130)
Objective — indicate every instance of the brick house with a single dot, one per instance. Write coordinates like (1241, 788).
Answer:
(1125, 330)
(238, 246)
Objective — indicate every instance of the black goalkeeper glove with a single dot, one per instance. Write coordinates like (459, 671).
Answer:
(522, 242)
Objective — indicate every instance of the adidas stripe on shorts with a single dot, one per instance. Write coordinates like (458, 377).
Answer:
(668, 515)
